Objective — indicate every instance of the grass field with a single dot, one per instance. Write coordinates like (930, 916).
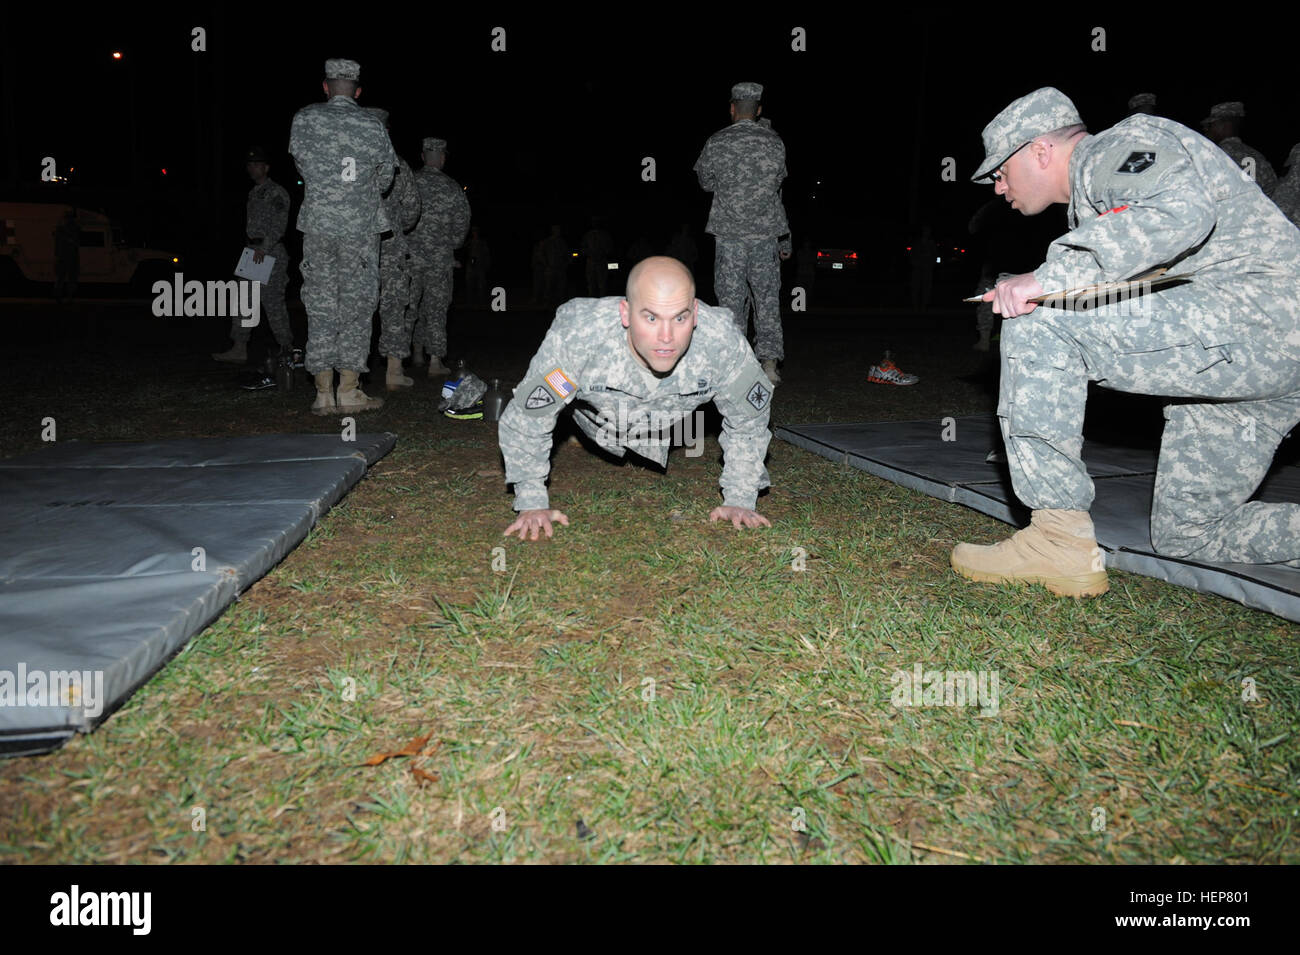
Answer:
(646, 687)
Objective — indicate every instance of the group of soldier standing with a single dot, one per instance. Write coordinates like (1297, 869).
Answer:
(374, 233)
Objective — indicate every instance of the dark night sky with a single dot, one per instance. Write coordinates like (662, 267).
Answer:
(556, 127)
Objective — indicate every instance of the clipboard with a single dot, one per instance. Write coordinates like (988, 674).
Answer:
(248, 269)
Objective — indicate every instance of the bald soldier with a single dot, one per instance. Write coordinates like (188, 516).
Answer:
(632, 368)
(1145, 193)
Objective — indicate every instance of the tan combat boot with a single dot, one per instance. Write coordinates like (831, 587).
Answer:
(1058, 550)
(238, 353)
(395, 379)
(436, 368)
(324, 403)
(351, 398)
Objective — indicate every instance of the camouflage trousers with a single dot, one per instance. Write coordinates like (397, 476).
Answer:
(340, 289)
(395, 318)
(1213, 454)
(745, 267)
(272, 295)
(431, 285)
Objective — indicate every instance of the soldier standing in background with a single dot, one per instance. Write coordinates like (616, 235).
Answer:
(555, 265)
(444, 223)
(67, 257)
(347, 162)
(1287, 193)
(743, 165)
(1142, 103)
(265, 222)
(682, 247)
(1223, 127)
(402, 207)
(597, 248)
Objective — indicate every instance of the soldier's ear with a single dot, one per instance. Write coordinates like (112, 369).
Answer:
(356, 93)
(623, 312)
(325, 87)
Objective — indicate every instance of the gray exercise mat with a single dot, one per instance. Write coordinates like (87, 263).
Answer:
(914, 454)
(101, 572)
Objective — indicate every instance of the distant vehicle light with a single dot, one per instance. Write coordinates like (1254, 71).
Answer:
(612, 266)
(164, 170)
(175, 258)
(117, 56)
(852, 255)
(575, 255)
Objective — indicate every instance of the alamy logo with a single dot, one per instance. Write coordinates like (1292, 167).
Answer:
(211, 299)
(652, 429)
(103, 908)
(924, 687)
(54, 688)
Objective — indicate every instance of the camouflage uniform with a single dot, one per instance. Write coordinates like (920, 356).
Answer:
(266, 219)
(443, 225)
(347, 162)
(586, 358)
(1287, 193)
(1151, 192)
(743, 166)
(1265, 177)
(402, 205)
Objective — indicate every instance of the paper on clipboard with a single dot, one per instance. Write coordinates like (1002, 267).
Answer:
(256, 271)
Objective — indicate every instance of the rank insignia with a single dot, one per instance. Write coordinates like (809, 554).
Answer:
(1137, 162)
(539, 398)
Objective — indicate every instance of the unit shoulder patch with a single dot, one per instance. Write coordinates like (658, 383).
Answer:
(539, 397)
(1137, 162)
(759, 395)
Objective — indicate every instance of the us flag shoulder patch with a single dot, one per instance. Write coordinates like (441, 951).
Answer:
(560, 383)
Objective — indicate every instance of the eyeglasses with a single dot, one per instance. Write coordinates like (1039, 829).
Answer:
(997, 174)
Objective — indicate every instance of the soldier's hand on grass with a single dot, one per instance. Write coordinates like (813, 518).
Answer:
(739, 517)
(259, 255)
(1010, 296)
(534, 521)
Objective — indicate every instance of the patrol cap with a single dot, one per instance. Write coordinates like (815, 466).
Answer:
(1232, 110)
(1040, 112)
(381, 114)
(256, 154)
(747, 91)
(432, 144)
(342, 70)
(1142, 101)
